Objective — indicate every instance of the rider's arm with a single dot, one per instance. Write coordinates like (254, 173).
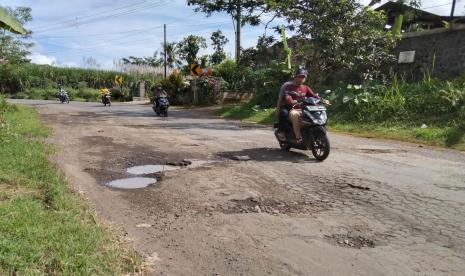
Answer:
(310, 93)
(289, 100)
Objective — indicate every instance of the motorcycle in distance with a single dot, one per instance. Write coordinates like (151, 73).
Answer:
(314, 133)
(63, 96)
(162, 108)
(106, 99)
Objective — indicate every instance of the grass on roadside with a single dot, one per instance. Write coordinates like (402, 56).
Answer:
(45, 228)
(436, 136)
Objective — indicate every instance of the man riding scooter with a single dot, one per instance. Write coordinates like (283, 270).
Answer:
(288, 105)
(105, 94)
(63, 95)
(161, 102)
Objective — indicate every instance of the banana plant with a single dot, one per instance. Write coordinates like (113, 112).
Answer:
(287, 50)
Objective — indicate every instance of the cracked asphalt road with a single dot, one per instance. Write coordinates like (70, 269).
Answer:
(374, 207)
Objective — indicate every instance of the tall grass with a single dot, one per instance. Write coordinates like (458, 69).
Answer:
(430, 101)
(45, 229)
(41, 81)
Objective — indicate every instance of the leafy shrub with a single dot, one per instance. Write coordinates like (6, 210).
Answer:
(430, 101)
(176, 88)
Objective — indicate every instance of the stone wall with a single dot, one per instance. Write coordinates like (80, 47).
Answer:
(439, 51)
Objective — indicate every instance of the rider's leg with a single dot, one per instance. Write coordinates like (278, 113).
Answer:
(282, 125)
(295, 117)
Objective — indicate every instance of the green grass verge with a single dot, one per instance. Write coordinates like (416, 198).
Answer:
(46, 228)
(445, 137)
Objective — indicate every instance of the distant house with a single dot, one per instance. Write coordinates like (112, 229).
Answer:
(416, 19)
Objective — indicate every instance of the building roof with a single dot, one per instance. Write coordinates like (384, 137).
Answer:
(427, 19)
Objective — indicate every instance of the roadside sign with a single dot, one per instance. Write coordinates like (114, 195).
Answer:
(119, 79)
(195, 70)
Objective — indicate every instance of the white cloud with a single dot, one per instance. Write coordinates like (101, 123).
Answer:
(42, 59)
(69, 64)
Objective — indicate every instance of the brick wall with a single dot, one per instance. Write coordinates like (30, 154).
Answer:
(443, 47)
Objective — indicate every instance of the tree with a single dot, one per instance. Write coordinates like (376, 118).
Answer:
(248, 57)
(190, 46)
(14, 48)
(218, 42)
(172, 55)
(341, 35)
(242, 12)
(204, 61)
(154, 61)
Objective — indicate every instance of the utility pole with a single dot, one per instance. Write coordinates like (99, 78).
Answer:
(164, 46)
(238, 30)
(452, 12)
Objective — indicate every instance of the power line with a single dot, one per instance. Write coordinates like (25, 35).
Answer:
(135, 31)
(105, 43)
(85, 16)
(88, 19)
(104, 17)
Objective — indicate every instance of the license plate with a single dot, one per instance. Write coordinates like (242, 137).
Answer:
(315, 108)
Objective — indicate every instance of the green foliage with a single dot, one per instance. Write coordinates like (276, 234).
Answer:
(345, 36)
(218, 42)
(175, 87)
(430, 101)
(41, 81)
(265, 82)
(172, 55)
(248, 112)
(190, 46)
(247, 9)
(14, 48)
(154, 61)
(206, 89)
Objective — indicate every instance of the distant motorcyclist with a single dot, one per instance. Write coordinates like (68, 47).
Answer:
(159, 93)
(63, 95)
(288, 106)
(105, 94)
(104, 91)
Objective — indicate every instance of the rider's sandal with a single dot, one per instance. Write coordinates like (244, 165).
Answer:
(281, 136)
(299, 140)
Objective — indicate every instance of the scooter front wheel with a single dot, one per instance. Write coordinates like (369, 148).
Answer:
(320, 147)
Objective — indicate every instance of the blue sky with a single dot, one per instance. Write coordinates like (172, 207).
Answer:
(66, 31)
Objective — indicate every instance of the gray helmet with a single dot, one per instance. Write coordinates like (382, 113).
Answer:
(301, 72)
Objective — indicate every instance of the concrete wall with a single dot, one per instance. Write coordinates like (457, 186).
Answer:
(443, 47)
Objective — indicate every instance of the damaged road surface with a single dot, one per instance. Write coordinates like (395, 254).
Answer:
(229, 202)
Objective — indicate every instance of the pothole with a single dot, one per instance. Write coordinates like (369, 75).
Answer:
(350, 240)
(171, 166)
(270, 206)
(150, 169)
(380, 150)
(132, 183)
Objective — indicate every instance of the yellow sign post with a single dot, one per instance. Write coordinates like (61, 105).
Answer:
(119, 79)
(195, 70)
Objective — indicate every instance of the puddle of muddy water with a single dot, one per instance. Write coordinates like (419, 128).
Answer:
(132, 183)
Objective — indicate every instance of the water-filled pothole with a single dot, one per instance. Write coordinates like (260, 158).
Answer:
(132, 183)
(150, 169)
